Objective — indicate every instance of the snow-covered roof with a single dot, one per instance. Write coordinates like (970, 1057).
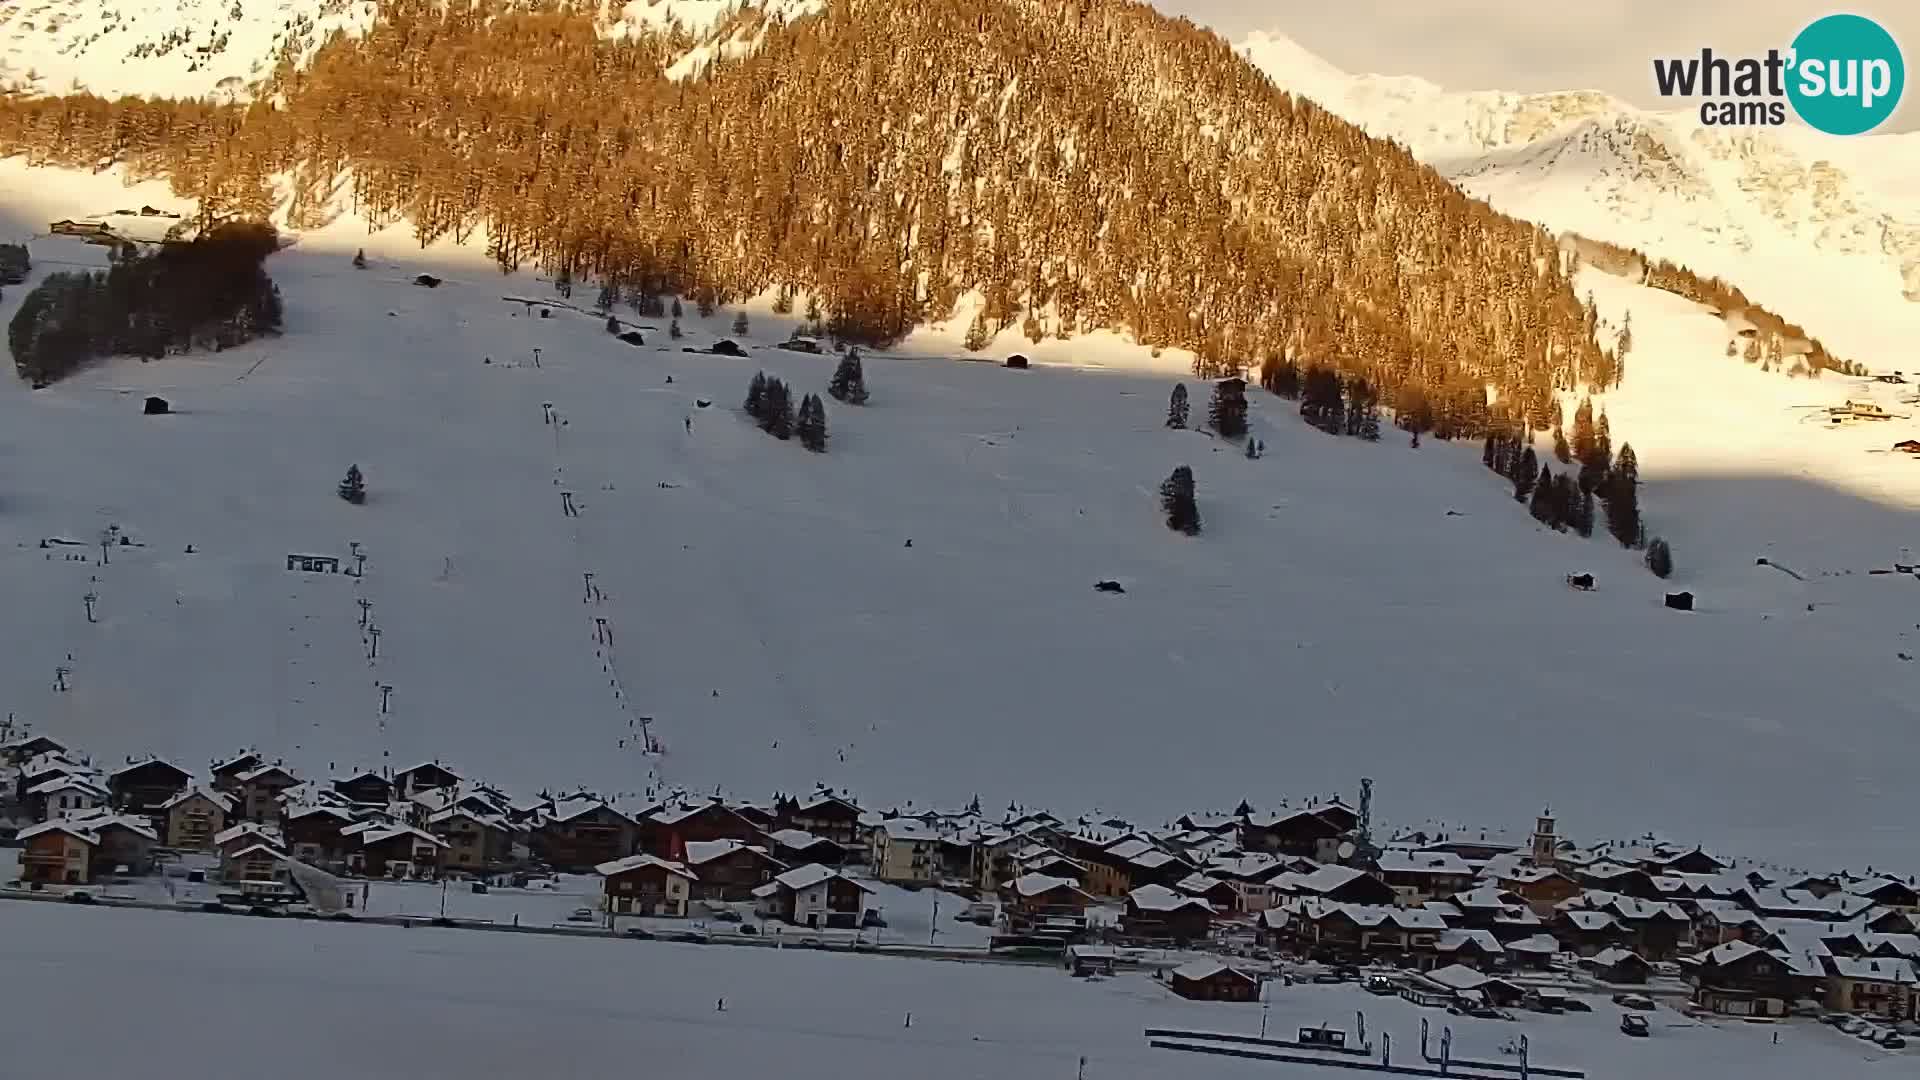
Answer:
(1128, 848)
(71, 828)
(805, 877)
(246, 828)
(1524, 875)
(1454, 940)
(1153, 860)
(298, 813)
(1424, 862)
(705, 851)
(909, 829)
(1876, 969)
(1039, 884)
(1377, 915)
(257, 849)
(218, 798)
(1610, 957)
(635, 862)
(67, 783)
(567, 811)
(1731, 952)
(1538, 944)
(1161, 898)
(135, 825)
(1485, 899)
(388, 831)
(1207, 969)
(796, 838)
(1198, 883)
(491, 821)
(1327, 878)
(1591, 920)
(262, 771)
(142, 763)
(1459, 977)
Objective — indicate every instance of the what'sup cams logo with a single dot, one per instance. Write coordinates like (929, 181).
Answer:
(1843, 75)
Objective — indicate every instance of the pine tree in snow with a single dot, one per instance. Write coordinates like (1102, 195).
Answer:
(673, 328)
(563, 283)
(1177, 500)
(1177, 407)
(811, 427)
(1541, 505)
(849, 382)
(1227, 412)
(360, 259)
(676, 310)
(756, 403)
(1524, 477)
(1659, 558)
(609, 296)
(353, 487)
(741, 325)
(613, 324)
(776, 417)
(978, 337)
(1622, 499)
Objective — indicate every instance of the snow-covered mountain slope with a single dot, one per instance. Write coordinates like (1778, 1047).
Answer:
(222, 48)
(1824, 231)
(1351, 609)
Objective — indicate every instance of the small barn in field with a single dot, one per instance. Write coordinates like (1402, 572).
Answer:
(1210, 980)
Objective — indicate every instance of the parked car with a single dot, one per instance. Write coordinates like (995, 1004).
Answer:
(1636, 1002)
(1852, 1025)
(872, 918)
(1634, 1024)
(1892, 1040)
(1575, 1005)
(583, 914)
(726, 915)
(1327, 978)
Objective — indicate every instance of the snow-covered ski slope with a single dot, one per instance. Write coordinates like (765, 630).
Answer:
(1824, 231)
(1350, 610)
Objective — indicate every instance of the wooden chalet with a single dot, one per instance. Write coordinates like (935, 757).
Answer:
(126, 843)
(797, 847)
(476, 843)
(728, 870)
(366, 788)
(313, 835)
(1158, 913)
(57, 853)
(1210, 980)
(1740, 979)
(259, 790)
(1044, 903)
(427, 775)
(814, 896)
(667, 832)
(581, 834)
(1888, 988)
(388, 850)
(646, 885)
(1619, 966)
(826, 815)
(195, 816)
(145, 786)
(1543, 888)
(1308, 834)
(226, 774)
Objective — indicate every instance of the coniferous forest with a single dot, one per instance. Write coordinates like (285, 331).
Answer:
(212, 293)
(1080, 163)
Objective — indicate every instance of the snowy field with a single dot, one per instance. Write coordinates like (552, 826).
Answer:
(1350, 610)
(425, 1003)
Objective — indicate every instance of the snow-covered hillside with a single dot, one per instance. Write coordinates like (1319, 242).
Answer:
(1825, 231)
(1350, 609)
(223, 48)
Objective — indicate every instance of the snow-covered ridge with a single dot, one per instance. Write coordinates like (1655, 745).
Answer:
(162, 48)
(224, 48)
(1824, 231)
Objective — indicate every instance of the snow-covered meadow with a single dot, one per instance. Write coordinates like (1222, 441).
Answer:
(1350, 610)
(314, 999)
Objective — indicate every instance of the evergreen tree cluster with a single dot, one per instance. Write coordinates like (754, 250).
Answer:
(14, 264)
(213, 293)
(770, 404)
(1177, 408)
(1567, 500)
(1177, 502)
(1227, 411)
(849, 382)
